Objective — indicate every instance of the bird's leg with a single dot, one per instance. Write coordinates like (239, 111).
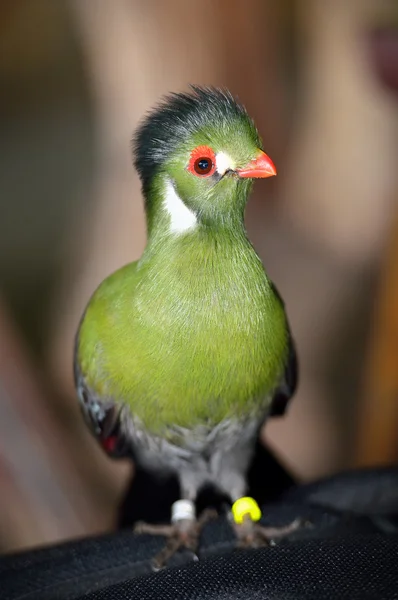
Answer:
(250, 533)
(184, 532)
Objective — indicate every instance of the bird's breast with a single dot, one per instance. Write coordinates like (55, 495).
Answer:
(200, 341)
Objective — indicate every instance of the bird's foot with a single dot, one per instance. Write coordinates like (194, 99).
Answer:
(253, 535)
(250, 533)
(183, 533)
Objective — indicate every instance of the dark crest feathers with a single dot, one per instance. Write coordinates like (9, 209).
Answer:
(178, 116)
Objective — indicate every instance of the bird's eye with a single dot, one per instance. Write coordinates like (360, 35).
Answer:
(202, 162)
(203, 165)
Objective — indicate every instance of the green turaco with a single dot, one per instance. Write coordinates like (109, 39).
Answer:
(185, 352)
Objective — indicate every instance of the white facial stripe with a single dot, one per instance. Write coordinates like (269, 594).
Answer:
(223, 163)
(181, 218)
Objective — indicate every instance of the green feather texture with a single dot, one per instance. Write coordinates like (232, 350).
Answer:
(193, 332)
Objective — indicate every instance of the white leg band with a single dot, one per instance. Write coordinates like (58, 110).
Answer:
(183, 510)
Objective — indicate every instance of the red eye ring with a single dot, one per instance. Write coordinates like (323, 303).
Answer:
(202, 162)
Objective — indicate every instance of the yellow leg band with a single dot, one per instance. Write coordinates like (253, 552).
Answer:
(245, 506)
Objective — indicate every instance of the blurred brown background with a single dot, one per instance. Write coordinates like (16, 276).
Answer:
(75, 78)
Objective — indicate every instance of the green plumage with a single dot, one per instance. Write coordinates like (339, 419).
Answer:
(193, 338)
(190, 334)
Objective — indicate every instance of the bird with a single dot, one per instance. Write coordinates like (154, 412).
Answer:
(182, 355)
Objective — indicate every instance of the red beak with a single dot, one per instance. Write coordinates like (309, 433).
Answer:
(262, 166)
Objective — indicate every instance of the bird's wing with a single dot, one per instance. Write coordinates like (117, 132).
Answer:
(101, 415)
(289, 383)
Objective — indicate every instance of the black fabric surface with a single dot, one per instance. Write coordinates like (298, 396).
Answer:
(349, 552)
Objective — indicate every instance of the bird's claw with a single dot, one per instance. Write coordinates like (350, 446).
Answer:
(141, 528)
(181, 535)
(254, 535)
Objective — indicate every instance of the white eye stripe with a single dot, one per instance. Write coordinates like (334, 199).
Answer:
(224, 163)
(181, 218)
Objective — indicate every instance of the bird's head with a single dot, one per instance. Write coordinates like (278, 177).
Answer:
(199, 152)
